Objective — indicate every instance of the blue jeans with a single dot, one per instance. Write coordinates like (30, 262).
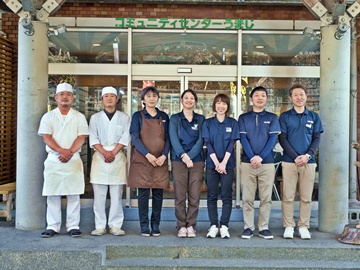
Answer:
(213, 178)
(143, 205)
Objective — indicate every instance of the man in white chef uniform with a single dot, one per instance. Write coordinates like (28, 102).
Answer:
(64, 131)
(109, 133)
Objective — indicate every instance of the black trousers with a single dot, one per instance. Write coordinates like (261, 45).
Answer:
(143, 205)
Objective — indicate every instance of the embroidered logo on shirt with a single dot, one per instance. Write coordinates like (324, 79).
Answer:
(266, 122)
(308, 125)
(228, 129)
(164, 121)
(195, 127)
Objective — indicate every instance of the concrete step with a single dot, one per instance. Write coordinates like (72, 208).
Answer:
(240, 257)
(228, 264)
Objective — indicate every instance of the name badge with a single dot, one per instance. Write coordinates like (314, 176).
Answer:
(228, 129)
(195, 127)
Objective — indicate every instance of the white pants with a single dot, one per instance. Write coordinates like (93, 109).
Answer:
(116, 213)
(53, 213)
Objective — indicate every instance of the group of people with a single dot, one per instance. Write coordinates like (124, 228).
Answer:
(153, 136)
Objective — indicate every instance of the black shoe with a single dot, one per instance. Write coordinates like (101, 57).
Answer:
(48, 233)
(247, 233)
(75, 233)
(155, 231)
(266, 234)
(145, 231)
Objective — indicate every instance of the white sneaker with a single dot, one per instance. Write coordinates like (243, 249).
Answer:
(98, 232)
(224, 232)
(304, 233)
(213, 232)
(191, 233)
(182, 232)
(117, 231)
(289, 233)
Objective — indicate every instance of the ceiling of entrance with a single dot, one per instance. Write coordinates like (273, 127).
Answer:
(189, 48)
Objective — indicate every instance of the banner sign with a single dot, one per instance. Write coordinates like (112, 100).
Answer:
(164, 23)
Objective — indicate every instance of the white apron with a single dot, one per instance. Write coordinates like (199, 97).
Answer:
(109, 134)
(63, 178)
(113, 173)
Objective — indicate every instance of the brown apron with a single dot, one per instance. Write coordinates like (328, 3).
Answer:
(142, 174)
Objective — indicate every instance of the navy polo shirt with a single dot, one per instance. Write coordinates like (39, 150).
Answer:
(188, 135)
(258, 128)
(299, 128)
(135, 128)
(220, 134)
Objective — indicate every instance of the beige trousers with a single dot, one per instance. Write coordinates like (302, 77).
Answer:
(251, 180)
(293, 177)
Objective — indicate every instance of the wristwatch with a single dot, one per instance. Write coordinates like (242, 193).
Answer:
(308, 156)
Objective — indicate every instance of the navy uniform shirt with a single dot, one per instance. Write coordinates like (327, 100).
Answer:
(258, 135)
(222, 137)
(299, 129)
(135, 128)
(186, 137)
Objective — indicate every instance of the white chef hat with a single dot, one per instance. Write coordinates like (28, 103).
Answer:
(108, 90)
(62, 87)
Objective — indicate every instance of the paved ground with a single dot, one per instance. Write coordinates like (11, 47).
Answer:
(14, 239)
(25, 249)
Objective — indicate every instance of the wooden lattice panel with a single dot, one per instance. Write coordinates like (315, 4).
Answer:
(8, 105)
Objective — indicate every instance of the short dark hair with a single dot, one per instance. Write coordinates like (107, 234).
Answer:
(258, 88)
(223, 98)
(297, 86)
(149, 89)
(190, 91)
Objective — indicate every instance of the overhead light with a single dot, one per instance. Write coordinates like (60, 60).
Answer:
(259, 47)
(96, 44)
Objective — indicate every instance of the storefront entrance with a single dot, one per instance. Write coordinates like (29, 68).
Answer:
(207, 61)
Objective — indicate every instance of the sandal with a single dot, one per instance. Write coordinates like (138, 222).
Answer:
(48, 233)
(75, 233)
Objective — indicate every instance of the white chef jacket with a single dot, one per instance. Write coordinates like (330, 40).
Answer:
(63, 178)
(109, 133)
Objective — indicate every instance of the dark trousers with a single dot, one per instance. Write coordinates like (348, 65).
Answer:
(213, 179)
(143, 205)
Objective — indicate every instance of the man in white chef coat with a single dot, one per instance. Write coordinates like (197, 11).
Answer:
(64, 131)
(109, 133)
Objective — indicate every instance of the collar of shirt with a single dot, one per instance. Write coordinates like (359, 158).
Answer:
(109, 115)
(263, 112)
(182, 116)
(146, 113)
(295, 112)
(226, 120)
